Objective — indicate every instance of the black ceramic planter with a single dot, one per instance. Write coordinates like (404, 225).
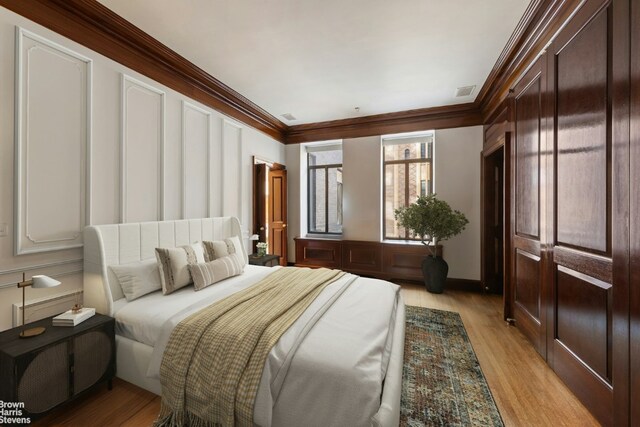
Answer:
(434, 271)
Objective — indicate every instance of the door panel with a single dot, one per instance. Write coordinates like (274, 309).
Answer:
(527, 282)
(579, 185)
(582, 321)
(527, 200)
(528, 132)
(582, 147)
(277, 213)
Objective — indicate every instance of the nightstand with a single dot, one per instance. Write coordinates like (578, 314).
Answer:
(57, 366)
(266, 260)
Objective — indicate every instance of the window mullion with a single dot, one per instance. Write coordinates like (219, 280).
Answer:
(326, 199)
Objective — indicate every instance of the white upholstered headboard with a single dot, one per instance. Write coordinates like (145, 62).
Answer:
(114, 244)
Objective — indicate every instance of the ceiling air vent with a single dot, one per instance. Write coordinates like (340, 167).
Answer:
(289, 116)
(464, 91)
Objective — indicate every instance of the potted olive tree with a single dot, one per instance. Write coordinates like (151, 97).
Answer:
(432, 220)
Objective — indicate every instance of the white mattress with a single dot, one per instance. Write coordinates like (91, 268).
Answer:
(142, 319)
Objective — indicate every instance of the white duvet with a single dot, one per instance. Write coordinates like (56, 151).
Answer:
(325, 370)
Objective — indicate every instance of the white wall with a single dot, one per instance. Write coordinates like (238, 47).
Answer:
(228, 187)
(456, 180)
(362, 189)
(296, 196)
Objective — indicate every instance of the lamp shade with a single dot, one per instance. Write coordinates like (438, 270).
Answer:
(254, 237)
(42, 281)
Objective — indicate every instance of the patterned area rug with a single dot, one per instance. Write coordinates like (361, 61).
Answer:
(442, 382)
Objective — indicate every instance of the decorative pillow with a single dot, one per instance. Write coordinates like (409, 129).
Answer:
(208, 273)
(138, 278)
(174, 265)
(221, 248)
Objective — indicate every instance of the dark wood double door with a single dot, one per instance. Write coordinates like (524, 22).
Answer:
(570, 198)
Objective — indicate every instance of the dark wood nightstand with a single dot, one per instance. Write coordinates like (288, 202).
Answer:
(266, 260)
(57, 366)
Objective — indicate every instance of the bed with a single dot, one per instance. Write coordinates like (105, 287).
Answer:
(348, 368)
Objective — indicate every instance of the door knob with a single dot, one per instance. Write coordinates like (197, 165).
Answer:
(284, 225)
(261, 228)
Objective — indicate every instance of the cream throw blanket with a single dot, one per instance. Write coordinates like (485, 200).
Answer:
(213, 363)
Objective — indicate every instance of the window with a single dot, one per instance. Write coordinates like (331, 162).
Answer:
(325, 189)
(408, 173)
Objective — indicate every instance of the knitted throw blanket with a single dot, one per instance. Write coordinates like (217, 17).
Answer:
(213, 363)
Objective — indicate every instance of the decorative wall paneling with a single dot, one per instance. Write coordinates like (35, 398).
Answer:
(97, 27)
(142, 152)
(570, 208)
(231, 169)
(53, 269)
(626, 122)
(196, 161)
(52, 145)
(579, 254)
(318, 252)
(528, 291)
(36, 309)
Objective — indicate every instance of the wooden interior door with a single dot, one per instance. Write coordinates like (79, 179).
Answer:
(277, 213)
(528, 296)
(580, 187)
(260, 171)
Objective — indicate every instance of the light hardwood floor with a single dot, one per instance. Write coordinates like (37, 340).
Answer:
(526, 390)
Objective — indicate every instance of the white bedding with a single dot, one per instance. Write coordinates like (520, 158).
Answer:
(142, 319)
(346, 350)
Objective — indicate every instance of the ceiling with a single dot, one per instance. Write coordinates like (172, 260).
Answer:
(319, 60)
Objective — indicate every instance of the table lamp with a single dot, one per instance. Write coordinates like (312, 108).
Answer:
(38, 281)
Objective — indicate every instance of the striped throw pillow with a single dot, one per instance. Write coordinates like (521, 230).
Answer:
(173, 264)
(208, 273)
(221, 248)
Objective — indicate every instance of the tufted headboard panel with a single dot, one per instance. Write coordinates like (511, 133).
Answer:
(114, 244)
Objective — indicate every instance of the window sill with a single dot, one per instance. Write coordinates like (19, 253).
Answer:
(403, 242)
(323, 236)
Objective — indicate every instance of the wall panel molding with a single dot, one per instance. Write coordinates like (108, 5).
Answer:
(196, 148)
(40, 308)
(148, 142)
(10, 277)
(52, 145)
(231, 169)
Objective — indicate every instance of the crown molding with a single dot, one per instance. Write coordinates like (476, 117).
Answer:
(448, 116)
(97, 27)
(538, 26)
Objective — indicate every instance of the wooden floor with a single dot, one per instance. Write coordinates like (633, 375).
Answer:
(527, 392)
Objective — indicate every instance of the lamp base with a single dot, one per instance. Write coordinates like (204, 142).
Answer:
(33, 332)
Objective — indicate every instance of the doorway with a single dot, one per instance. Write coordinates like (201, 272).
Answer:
(493, 221)
(270, 207)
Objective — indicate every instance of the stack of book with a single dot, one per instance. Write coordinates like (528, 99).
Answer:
(72, 318)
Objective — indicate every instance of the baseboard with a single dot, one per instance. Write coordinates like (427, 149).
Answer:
(464, 285)
(453, 284)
